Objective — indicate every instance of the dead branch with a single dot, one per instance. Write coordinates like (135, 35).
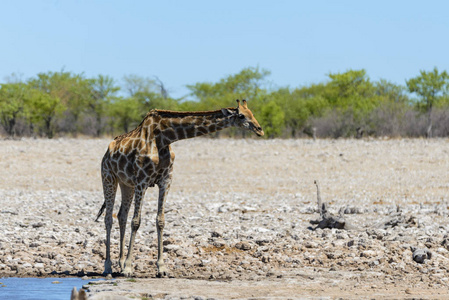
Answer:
(326, 219)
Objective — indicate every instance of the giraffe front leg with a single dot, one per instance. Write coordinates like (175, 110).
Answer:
(135, 224)
(160, 224)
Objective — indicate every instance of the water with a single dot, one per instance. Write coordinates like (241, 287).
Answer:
(13, 288)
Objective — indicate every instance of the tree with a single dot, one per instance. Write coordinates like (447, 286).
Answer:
(149, 93)
(391, 92)
(430, 87)
(351, 89)
(73, 91)
(103, 91)
(272, 119)
(125, 113)
(351, 97)
(303, 104)
(163, 90)
(42, 108)
(247, 84)
(134, 84)
(11, 105)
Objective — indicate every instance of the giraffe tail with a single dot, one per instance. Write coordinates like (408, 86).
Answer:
(101, 211)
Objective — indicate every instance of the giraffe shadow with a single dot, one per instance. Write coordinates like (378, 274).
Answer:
(82, 274)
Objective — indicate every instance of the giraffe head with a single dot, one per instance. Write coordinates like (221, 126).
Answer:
(243, 117)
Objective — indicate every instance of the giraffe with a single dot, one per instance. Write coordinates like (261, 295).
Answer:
(143, 158)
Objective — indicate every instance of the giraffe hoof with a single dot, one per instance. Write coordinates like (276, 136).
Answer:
(127, 273)
(162, 272)
(107, 274)
(107, 269)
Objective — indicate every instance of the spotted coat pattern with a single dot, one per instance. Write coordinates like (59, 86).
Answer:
(143, 158)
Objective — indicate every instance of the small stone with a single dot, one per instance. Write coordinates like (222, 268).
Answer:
(39, 265)
(215, 234)
(168, 241)
(368, 253)
(445, 243)
(82, 294)
(219, 243)
(310, 244)
(37, 225)
(420, 255)
(171, 248)
(262, 242)
(204, 262)
(442, 250)
(74, 295)
(245, 246)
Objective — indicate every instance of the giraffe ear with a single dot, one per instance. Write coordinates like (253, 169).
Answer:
(227, 112)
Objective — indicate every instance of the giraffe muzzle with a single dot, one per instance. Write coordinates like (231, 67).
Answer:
(258, 131)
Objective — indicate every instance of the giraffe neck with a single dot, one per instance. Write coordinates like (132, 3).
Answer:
(174, 126)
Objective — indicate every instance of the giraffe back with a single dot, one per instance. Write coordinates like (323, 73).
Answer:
(135, 159)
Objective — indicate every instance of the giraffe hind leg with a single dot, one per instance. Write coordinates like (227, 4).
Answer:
(109, 191)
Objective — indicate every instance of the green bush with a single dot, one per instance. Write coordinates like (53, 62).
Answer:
(347, 104)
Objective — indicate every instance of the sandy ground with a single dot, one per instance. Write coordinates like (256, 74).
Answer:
(238, 218)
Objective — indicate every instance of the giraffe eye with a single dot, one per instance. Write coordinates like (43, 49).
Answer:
(241, 116)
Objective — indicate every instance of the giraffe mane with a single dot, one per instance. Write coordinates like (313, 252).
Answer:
(173, 113)
(169, 113)
(127, 134)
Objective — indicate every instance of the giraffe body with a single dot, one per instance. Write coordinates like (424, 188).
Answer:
(143, 158)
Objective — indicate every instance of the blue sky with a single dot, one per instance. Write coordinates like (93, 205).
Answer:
(184, 42)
